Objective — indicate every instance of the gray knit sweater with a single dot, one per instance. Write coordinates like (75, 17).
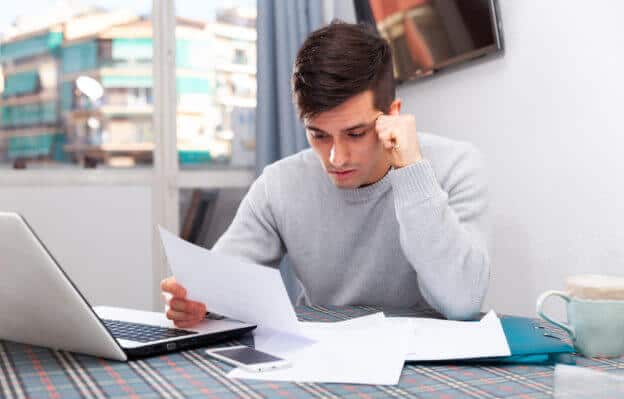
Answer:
(416, 238)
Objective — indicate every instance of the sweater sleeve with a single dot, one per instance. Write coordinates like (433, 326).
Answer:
(253, 234)
(443, 232)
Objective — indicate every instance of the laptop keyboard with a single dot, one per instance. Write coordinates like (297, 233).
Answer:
(142, 332)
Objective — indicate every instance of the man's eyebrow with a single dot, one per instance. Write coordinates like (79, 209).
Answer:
(358, 126)
(316, 129)
(348, 129)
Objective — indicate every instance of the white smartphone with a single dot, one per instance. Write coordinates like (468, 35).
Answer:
(248, 358)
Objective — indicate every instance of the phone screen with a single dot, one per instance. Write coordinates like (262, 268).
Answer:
(247, 355)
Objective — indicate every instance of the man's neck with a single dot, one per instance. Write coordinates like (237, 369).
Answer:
(375, 181)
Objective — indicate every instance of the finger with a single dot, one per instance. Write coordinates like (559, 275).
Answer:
(385, 134)
(165, 297)
(181, 316)
(166, 280)
(179, 305)
(199, 308)
(171, 286)
(183, 305)
(386, 124)
(383, 119)
(186, 324)
(387, 138)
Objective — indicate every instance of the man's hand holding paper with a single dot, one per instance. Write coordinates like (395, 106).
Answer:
(229, 286)
(183, 312)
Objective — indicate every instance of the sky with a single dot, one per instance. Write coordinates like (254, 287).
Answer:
(196, 9)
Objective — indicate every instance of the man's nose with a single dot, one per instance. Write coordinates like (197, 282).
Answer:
(338, 155)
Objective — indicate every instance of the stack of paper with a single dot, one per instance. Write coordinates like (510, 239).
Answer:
(433, 339)
(366, 350)
(355, 352)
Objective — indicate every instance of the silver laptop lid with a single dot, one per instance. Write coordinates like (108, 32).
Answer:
(40, 305)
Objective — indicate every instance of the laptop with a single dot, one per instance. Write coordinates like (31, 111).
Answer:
(41, 306)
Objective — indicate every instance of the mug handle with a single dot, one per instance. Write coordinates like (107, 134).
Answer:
(540, 312)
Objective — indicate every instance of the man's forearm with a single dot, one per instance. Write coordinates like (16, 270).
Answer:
(449, 254)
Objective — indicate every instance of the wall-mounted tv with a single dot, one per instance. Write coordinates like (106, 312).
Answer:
(428, 36)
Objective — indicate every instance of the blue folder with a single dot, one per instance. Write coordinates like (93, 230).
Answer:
(530, 342)
(527, 336)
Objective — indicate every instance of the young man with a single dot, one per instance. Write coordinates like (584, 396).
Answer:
(375, 212)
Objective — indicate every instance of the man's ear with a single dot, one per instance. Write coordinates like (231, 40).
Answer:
(395, 107)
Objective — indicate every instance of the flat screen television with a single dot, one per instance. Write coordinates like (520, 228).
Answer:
(429, 36)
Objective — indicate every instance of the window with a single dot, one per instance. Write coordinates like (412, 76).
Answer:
(71, 74)
(216, 84)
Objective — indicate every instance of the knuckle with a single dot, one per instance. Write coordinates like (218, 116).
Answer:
(180, 291)
(197, 308)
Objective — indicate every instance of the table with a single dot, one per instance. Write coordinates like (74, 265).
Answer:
(33, 372)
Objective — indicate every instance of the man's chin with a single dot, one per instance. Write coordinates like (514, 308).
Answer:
(344, 184)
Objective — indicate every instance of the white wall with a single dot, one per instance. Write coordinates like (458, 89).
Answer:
(99, 234)
(548, 118)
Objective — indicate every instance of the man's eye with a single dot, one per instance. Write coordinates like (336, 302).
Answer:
(319, 136)
(357, 135)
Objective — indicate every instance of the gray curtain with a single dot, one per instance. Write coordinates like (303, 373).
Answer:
(282, 27)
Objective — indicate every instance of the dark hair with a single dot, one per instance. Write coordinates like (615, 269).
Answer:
(338, 61)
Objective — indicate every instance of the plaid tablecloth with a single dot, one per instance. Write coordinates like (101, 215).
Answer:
(34, 372)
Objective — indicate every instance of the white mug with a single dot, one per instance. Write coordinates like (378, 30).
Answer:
(595, 308)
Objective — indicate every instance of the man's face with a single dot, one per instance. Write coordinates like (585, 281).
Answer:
(346, 142)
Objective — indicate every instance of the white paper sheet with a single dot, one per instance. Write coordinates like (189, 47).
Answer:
(281, 344)
(228, 286)
(360, 351)
(433, 339)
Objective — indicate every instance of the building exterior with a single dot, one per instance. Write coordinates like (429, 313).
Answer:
(234, 41)
(30, 118)
(49, 114)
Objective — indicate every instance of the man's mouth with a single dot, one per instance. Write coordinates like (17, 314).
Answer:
(342, 173)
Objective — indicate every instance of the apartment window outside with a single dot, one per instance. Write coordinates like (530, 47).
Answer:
(216, 88)
(66, 68)
(72, 73)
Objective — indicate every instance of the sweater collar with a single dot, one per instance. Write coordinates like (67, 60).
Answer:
(367, 192)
